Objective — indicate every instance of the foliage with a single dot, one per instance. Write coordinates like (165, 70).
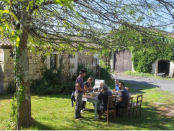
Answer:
(146, 75)
(105, 57)
(89, 72)
(141, 74)
(18, 95)
(53, 81)
(11, 87)
(104, 75)
(13, 115)
(143, 59)
(53, 23)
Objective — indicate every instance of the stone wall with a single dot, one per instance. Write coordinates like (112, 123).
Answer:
(89, 60)
(1, 70)
(171, 67)
(36, 64)
(154, 68)
(8, 67)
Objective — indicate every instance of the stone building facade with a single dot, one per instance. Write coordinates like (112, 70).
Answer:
(36, 64)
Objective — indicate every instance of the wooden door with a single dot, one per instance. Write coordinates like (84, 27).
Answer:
(122, 61)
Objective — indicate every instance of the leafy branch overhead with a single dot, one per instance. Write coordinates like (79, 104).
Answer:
(71, 25)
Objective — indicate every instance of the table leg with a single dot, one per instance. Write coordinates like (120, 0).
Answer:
(95, 110)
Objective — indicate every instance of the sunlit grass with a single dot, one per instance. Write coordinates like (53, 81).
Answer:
(55, 112)
(146, 75)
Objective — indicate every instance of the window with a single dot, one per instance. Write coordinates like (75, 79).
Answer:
(53, 61)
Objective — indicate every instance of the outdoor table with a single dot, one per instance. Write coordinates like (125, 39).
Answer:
(92, 100)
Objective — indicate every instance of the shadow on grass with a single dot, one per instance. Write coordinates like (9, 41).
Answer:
(40, 126)
(149, 119)
(6, 97)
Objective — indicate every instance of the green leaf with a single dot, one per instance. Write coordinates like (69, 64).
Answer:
(28, 7)
(17, 41)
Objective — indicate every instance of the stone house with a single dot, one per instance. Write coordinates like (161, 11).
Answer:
(35, 63)
(121, 61)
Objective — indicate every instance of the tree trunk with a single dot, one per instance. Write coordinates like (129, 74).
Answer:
(24, 111)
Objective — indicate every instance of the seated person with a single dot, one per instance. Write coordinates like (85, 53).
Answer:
(122, 102)
(103, 97)
(116, 86)
(87, 84)
(88, 88)
(109, 92)
(100, 89)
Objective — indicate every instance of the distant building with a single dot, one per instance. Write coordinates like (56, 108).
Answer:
(121, 62)
(35, 64)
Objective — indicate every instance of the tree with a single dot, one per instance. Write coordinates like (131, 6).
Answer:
(70, 25)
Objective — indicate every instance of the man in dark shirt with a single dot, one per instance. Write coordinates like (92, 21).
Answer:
(122, 102)
(88, 88)
(103, 97)
(78, 93)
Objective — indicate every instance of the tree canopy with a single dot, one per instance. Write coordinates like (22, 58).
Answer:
(62, 23)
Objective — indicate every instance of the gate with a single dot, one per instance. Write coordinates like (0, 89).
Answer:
(122, 61)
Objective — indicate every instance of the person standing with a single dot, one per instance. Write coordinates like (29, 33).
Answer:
(78, 93)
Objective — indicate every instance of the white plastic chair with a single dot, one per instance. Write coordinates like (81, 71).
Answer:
(97, 83)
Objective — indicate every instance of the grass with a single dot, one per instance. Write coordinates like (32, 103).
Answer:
(54, 112)
(146, 75)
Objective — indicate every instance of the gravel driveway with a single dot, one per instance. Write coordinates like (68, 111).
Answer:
(166, 85)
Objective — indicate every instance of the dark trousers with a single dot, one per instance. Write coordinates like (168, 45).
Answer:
(78, 98)
(118, 106)
(83, 104)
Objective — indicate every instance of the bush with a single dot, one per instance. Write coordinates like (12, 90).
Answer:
(139, 74)
(53, 82)
(104, 75)
(11, 87)
(56, 83)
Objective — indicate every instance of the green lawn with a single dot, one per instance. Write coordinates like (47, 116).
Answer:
(55, 112)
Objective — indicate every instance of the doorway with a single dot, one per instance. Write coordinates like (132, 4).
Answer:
(122, 61)
(163, 66)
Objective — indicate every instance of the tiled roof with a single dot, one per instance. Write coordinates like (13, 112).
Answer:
(5, 42)
(169, 34)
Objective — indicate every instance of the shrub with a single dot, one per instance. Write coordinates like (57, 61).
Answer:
(11, 87)
(56, 83)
